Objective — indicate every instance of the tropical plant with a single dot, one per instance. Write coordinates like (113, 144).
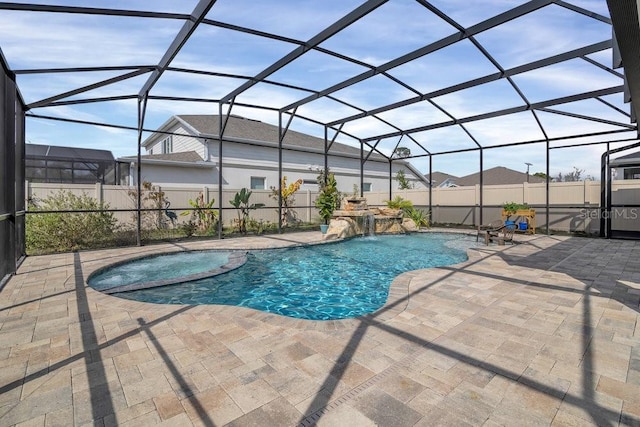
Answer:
(241, 203)
(420, 217)
(399, 203)
(203, 215)
(288, 199)
(403, 182)
(329, 197)
(67, 231)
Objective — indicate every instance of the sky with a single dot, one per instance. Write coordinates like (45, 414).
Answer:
(32, 40)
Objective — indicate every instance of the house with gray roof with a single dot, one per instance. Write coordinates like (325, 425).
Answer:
(443, 180)
(185, 150)
(498, 175)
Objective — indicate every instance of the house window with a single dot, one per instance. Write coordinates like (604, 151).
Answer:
(632, 173)
(257, 183)
(366, 186)
(167, 145)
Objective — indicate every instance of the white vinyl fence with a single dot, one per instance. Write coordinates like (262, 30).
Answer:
(573, 205)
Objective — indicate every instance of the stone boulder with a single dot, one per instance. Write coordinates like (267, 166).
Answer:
(340, 228)
(389, 225)
(409, 225)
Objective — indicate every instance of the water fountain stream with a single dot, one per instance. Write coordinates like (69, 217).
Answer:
(356, 218)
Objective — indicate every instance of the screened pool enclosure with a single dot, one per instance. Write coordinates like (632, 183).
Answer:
(440, 84)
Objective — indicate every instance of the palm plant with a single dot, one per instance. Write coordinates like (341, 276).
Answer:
(399, 203)
(241, 203)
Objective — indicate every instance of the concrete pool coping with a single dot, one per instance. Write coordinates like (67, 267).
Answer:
(545, 332)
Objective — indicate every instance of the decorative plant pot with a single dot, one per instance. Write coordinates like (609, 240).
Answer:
(324, 228)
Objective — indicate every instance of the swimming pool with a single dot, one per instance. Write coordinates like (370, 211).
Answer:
(321, 282)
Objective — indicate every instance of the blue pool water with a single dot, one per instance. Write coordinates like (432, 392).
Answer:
(161, 267)
(322, 282)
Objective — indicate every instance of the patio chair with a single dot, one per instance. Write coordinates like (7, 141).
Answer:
(505, 234)
(493, 227)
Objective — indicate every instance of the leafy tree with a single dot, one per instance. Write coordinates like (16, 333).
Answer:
(62, 231)
(403, 182)
(402, 153)
(540, 175)
(573, 176)
(241, 203)
(288, 199)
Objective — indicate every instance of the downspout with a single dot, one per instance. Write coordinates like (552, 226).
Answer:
(481, 217)
(326, 155)
(142, 110)
(431, 188)
(390, 178)
(280, 138)
(361, 168)
(547, 186)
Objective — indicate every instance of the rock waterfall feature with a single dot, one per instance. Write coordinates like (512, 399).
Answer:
(355, 218)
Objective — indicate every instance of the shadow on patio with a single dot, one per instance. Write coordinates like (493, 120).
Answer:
(590, 274)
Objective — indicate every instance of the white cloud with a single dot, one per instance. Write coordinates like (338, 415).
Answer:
(58, 40)
(32, 40)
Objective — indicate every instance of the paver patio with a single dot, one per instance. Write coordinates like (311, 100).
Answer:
(545, 332)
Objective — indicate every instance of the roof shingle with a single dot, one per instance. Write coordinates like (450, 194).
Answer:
(255, 130)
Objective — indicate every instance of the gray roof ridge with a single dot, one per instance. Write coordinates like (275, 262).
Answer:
(376, 156)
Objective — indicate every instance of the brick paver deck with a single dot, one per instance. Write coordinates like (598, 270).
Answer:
(545, 332)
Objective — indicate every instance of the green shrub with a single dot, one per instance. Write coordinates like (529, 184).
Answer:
(513, 207)
(399, 203)
(59, 232)
(204, 217)
(329, 197)
(420, 217)
(188, 228)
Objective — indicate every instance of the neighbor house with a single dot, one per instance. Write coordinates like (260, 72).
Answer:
(185, 150)
(626, 167)
(498, 175)
(443, 180)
